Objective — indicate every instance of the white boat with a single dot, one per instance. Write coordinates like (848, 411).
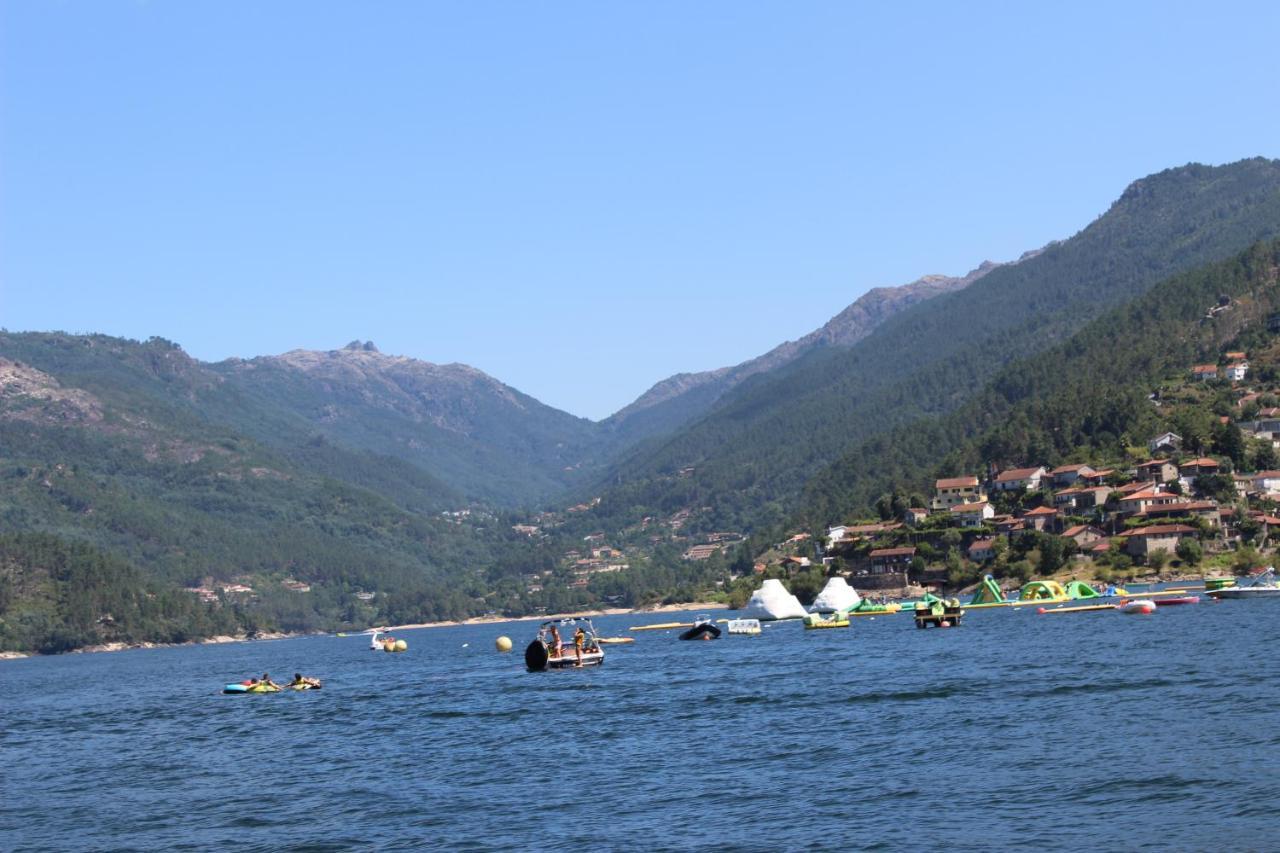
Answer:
(1137, 605)
(553, 649)
(748, 627)
(1261, 585)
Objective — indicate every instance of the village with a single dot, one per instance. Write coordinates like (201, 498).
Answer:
(1178, 507)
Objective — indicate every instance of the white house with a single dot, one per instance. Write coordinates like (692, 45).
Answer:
(1019, 479)
(1165, 443)
(973, 514)
(952, 491)
(1266, 482)
(1236, 372)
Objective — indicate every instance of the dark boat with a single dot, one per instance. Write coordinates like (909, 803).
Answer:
(544, 653)
(703, 629)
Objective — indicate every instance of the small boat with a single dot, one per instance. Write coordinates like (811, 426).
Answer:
(1182, 599)
(1260, 585)
(746, 627)
(551, 650)
(815, 621)
(1137, 605)
(703, 628)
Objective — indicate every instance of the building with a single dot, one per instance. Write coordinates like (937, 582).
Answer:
(1040, 518)
(1236, 372)
(884, 560)
(698, 552)
(1158, 470)
(953, 491)
(1018, 479)
(1204, 465)
(972, 514)
(915, 515)
(982, 550)
(1084, 535)
(1205, 372)
(1065, 475)
(1169, 442)
(1208, 510)
(1266, 482)
(1145, 541)
(1141, 501)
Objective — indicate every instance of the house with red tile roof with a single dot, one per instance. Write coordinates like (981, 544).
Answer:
(891, 559)
(1018, 479)
(953, 491)
(1083, 534)
(1159, 470)
(982, 550)
(1040, 518)
(972, 514)
(1142, 542)
(1205, 372)
(1065, 475)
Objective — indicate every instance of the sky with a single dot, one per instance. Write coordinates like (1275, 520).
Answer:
(579, 198)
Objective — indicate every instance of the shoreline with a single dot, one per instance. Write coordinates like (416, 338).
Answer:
(223, 639)
(606, 611)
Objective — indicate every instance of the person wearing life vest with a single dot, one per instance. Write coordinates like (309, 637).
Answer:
(301, 681)
(266, 679)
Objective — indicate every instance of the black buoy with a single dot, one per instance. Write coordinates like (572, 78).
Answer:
(536, 656)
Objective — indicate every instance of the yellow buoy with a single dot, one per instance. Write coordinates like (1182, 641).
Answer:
(503, 644)
(401, 645)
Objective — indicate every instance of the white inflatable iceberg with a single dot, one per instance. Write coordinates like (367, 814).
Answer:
(772, 601)
(836, 596)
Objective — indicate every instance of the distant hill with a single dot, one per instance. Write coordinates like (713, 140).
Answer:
(484, 439)
(748, 459)
(682, 398)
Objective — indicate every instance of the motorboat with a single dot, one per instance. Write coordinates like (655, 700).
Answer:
(1181, 599)
(558, 645)
(1137, 605)
(703, 628)
(1260, 585)
(746, 627)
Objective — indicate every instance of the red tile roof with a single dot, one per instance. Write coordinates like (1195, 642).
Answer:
(1018, 474)
(956, 483)
(893, 552)
(1160, 530)
(1202, 462)
(1040, 510)
(976, 506)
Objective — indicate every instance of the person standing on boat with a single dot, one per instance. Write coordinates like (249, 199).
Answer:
(579, 640)
(554, 645)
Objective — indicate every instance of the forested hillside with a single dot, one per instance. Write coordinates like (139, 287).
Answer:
(1084, 400)
(749, 459)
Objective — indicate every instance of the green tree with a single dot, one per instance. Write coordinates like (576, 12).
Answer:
(1190, 552)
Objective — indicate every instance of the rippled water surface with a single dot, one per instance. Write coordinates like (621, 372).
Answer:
(1091, 730)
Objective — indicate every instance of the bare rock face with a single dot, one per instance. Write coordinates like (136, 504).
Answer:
(27, 394)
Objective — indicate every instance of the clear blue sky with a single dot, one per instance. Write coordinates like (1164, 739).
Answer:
(579, 198)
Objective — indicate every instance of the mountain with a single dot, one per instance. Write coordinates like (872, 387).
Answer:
(680, 399)
(482, 438)
(748, 459)
(1089, 398)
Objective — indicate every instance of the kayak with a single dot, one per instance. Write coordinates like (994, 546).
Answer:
(250, 688)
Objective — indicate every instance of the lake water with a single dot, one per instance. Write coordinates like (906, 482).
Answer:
(1091, 730)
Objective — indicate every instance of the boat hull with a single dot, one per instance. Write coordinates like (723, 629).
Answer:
(1245, 592)
(538, 658)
